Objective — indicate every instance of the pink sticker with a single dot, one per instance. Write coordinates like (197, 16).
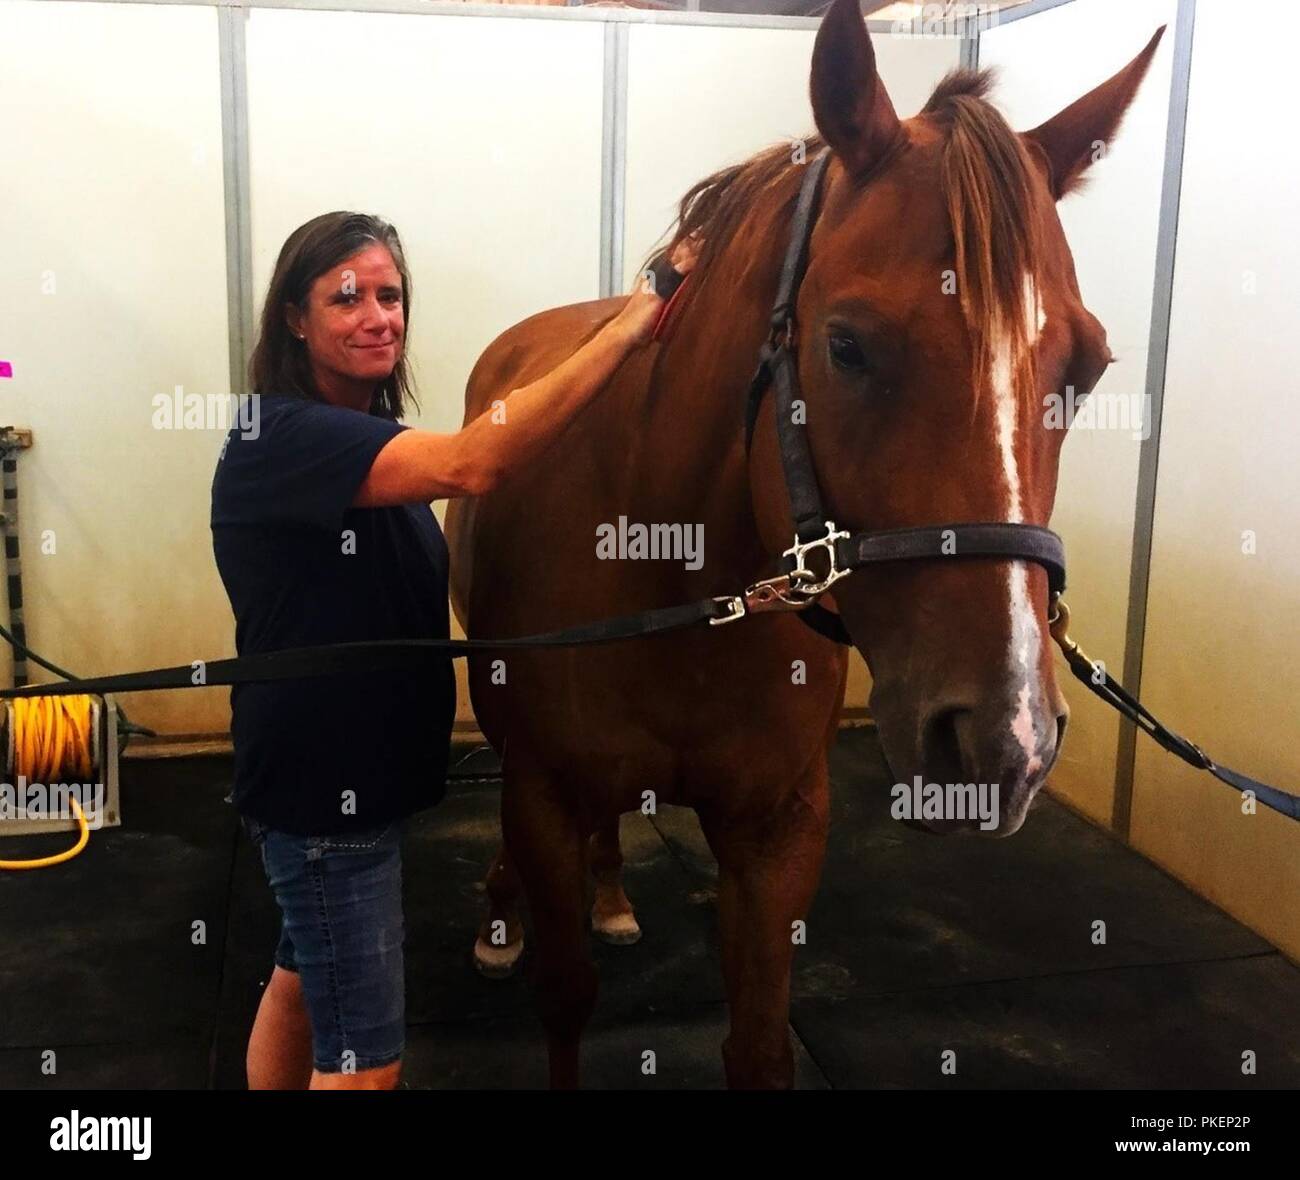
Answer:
(6, 369)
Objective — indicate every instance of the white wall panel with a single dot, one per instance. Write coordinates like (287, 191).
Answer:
(1044, 63)
(114, 292)
(480, 139)
(1222, 660)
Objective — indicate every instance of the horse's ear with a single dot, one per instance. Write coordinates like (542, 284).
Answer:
(849, 102)
(1082, 132)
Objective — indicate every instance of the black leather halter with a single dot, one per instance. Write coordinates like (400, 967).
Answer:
(799, 586)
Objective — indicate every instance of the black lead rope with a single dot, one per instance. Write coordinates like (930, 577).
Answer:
(1119, 698)
(378, 655)
(1093, 674)
(386, 655)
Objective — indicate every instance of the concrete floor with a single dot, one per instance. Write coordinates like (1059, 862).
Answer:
(916, 945)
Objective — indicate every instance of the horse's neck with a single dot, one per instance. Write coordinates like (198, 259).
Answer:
(687, 458)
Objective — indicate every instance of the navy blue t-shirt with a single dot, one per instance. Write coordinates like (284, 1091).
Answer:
(331, 754)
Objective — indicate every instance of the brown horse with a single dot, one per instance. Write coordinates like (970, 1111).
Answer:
(940, 306)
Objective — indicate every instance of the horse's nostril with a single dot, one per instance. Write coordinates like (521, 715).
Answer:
(941, 748)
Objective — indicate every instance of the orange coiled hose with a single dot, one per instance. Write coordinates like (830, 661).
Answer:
(53, 742)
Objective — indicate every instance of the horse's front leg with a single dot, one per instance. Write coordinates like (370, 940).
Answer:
(612, 917)
(500, 941)
(549, 851)
(768, 870)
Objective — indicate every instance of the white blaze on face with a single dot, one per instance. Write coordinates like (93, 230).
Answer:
(1025, 636)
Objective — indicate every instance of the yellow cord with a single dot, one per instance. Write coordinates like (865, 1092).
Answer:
(45, 862)
(53, 742)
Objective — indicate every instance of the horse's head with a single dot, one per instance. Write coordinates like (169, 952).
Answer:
(940, 307)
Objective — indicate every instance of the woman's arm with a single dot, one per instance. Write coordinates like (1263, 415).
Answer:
(418, 465)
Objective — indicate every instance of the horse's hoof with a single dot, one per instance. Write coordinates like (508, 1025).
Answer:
(497, 962)
(617, 929)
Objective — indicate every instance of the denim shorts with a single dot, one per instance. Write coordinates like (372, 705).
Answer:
(341, 931)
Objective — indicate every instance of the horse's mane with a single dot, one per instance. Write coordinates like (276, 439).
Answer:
(986, 178)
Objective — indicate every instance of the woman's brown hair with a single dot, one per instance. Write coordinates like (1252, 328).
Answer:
(280, 363)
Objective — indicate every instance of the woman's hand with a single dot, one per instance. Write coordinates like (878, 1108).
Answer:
(641, 312)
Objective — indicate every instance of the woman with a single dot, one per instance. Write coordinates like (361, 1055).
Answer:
(322, 533)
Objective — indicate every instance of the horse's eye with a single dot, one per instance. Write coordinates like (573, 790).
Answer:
(847, 354)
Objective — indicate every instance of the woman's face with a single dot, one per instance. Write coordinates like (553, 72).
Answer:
(353, 328)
